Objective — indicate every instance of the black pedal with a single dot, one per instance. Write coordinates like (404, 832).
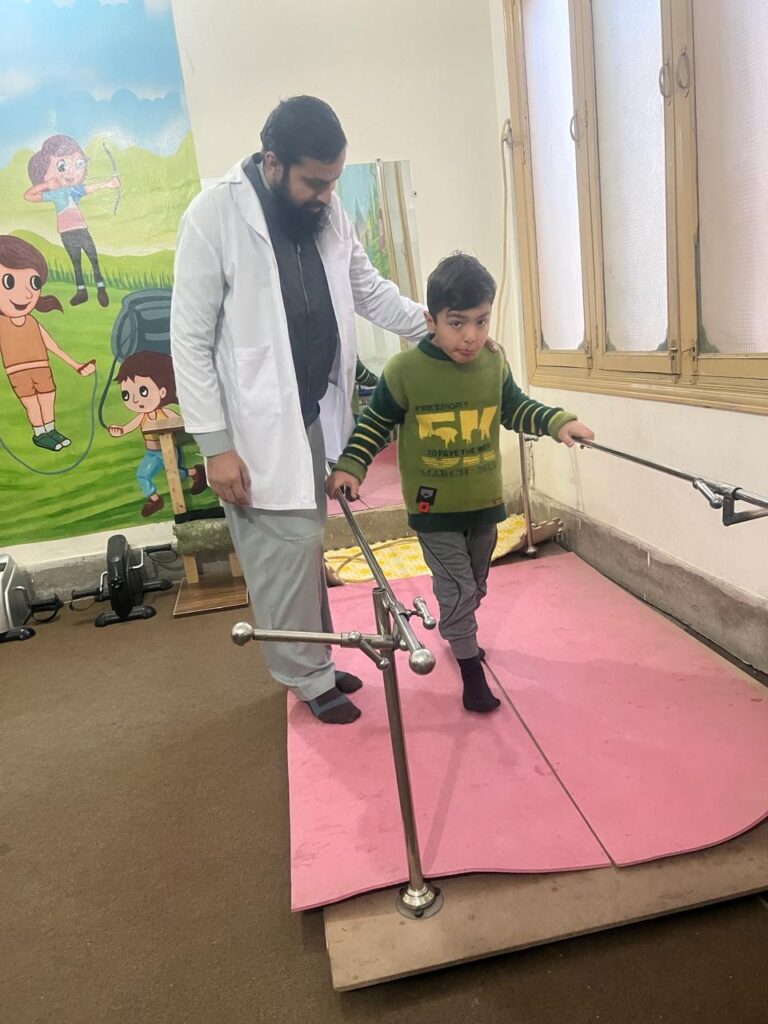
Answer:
(19, 633)
(140, 611)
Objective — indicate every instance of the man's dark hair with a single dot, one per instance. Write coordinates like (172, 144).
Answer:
(459, 282)
(302, 127)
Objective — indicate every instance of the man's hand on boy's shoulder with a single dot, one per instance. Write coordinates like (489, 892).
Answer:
(573, 432)
(346, 483)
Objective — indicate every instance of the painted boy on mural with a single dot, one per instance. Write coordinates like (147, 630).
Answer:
(25, 345)
(147, 386)
(57, 172)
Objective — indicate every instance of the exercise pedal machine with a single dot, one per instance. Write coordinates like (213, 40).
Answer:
(18, 604)
(123, 584)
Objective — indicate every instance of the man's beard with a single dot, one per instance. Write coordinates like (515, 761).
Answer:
(300, 223)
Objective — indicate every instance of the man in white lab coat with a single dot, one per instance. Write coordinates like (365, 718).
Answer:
(269, 275)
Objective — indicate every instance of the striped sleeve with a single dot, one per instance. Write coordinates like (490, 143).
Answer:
(373, 431)
(526, 415)
(364, 377)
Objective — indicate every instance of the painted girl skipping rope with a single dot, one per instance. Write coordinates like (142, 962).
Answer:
(25, 345)
(57, 172)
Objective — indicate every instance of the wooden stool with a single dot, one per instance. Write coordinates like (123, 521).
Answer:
(197, 593)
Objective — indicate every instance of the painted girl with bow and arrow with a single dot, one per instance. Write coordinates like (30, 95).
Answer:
(57, 172)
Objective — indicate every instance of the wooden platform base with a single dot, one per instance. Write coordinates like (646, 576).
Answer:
(484, 915)
(542, 532)
(210, 594)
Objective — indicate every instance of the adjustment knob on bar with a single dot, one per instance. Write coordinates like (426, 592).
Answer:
(422, 661)
(420, 606)
(242, 632)
(715, 500)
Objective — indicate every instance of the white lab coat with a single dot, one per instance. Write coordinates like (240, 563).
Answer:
(230, 344)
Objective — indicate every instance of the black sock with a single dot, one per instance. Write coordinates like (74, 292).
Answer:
(348, 683)
(477, 695)
(333, 708)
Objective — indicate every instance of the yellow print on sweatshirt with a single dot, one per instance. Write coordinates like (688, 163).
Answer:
(450, 426)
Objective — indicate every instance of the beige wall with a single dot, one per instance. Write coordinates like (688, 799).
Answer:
(659, 510)
(410, 80)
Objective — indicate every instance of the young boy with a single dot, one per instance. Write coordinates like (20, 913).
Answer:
(450, 395)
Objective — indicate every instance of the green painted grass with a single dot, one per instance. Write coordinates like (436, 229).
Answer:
(102, 493)
(121, 273)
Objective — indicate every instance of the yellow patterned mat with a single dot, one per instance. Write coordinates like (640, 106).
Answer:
(402, 558)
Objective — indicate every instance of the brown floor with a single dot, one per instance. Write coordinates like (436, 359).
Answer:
(144, 864)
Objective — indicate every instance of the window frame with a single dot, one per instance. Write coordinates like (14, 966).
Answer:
(576, 359)
(682, 374)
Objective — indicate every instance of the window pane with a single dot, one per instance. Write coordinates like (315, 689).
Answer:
(731, 47)
(375, 346)
(630, 131)
(400, 203)
(553, 168)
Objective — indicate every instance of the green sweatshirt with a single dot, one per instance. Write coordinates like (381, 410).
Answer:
(449, 416)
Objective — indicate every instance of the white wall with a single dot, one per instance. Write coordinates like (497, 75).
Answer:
(659, 510)
(408, 80)
(414, 81)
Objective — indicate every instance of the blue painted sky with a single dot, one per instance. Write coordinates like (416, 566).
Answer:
(87, 67)
(355, 188)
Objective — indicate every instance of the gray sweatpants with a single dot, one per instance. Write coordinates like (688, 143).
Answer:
(281, 554)
(459, 563)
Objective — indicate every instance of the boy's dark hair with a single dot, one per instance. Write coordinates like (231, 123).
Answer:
(157, 366)
(301, 127)
(459, 282)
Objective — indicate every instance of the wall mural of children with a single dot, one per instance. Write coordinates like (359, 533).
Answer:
(147, 387)
(25, 345)
(57, 172)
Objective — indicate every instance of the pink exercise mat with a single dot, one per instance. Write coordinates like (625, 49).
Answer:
(484, 796)
(662, 743)
(628, 740)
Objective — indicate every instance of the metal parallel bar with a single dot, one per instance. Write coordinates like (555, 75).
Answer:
(405, 633)
(640, 462)
(373, 565)
(750, 498)
(417, 897)
(717, 486)
(286, 636)
(731, 518)
(400, 617)
(531, 549)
